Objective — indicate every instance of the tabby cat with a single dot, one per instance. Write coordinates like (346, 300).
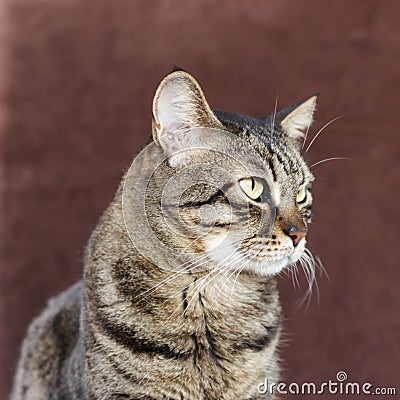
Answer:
(178, 298)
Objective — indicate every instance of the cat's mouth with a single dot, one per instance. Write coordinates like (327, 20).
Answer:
(262, 264)
(259, 257)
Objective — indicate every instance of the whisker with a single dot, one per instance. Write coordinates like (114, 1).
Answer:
(306, 264)
(224, 268)
(210, 272)
(330, 159)
(296, 275)
(308, 128)
(222, 275)
(292, 272)
(318, 264)
(241, 255)
(274, 114)
(240, 270)
(201, 283)
(193, 264)
(321, 130)
(180, 289)
(193, 293)
(309, 264)
(229, 270)
(184, 269)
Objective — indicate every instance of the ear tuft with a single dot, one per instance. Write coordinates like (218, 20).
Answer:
(179, 105)
(299, 118)
(176, 68)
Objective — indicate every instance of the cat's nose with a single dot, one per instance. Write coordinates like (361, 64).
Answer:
(295, 233)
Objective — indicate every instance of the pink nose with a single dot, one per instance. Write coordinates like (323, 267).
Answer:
(295, 233)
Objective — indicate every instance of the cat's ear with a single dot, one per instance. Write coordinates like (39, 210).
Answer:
(296, 120)
(179, 106)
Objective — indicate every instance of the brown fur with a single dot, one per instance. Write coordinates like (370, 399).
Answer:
(121, 334)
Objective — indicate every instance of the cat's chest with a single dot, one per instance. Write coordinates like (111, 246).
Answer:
(227, 326)
(231, 341)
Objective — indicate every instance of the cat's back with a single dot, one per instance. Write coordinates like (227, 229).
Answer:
(47, 349)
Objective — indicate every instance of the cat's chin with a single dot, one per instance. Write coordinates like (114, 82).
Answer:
(267, 267)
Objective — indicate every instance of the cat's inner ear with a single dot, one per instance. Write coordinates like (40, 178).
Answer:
(180, 111)
(296, 120)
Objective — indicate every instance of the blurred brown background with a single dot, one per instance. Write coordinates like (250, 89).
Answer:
(76, 84)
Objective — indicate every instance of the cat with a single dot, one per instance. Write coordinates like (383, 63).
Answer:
(179, 297)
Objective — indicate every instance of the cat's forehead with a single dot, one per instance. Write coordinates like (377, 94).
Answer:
(265, 138)
(260, 133)
(237, 123)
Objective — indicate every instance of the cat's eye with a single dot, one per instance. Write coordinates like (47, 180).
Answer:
(301, 195)
(252, 187)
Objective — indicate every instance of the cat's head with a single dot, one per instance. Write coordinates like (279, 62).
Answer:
(229, 191)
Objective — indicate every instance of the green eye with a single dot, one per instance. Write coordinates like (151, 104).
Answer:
(253, 187)
(301, 195)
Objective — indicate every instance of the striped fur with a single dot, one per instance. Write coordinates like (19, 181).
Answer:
(121, 334)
